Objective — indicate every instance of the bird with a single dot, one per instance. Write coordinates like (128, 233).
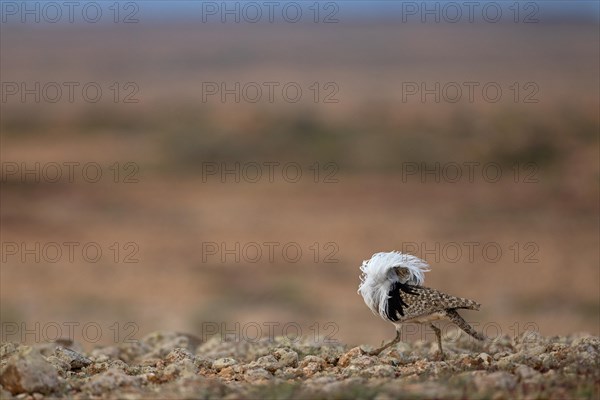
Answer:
(391, 286)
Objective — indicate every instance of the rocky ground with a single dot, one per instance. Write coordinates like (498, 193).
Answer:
(171, 365)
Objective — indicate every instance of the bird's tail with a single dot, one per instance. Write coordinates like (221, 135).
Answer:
(464, 325)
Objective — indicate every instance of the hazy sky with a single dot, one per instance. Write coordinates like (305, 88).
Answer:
(345, 10)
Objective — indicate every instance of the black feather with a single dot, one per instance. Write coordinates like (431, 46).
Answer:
(395, 304)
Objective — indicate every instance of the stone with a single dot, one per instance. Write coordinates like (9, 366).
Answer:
(345, 359)
(8, 349)
(223, 363)
(110, 380)
(310, 365)
(286, 357)
(183, 368)
(269, 363)
(29, 372)
(179, 354)
(485, 358)
(257, 374)
(73, 358)
(380, 371)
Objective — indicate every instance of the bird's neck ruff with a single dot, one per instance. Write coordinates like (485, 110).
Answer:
(378, 276)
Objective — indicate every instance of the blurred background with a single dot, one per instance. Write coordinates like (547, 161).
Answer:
(182, 166)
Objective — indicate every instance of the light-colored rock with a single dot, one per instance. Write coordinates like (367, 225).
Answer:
(364, 361)
(178, 354)
(27, 372)
(527, 339)
(380, 371)
(257, 374)
(289, 373)
(5, 394)
(286, 357)
(345, 359)
(8, 349)
(227, 373)
(485, 358)
(73, 358)
(110, 380)
(310, 365)
(183, 368)
(223, 363)
(104, 354)
(269, 363)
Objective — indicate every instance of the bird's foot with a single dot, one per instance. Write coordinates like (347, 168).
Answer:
(375, 352)
(439, 356)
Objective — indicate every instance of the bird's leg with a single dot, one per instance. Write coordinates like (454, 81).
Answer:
(438, 334)
(385, 346)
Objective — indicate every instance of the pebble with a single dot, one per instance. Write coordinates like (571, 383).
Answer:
(110, 380)
(73, 358)
(257, 374)
(286, 357)
(27, 371)
(223, 363)
(346, 358)
(310, 365)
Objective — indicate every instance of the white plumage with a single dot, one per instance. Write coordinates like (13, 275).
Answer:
(384, 269)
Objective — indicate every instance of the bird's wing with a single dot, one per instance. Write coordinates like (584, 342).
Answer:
(420, 300)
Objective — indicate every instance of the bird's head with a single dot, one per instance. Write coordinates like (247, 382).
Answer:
(382, 270)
